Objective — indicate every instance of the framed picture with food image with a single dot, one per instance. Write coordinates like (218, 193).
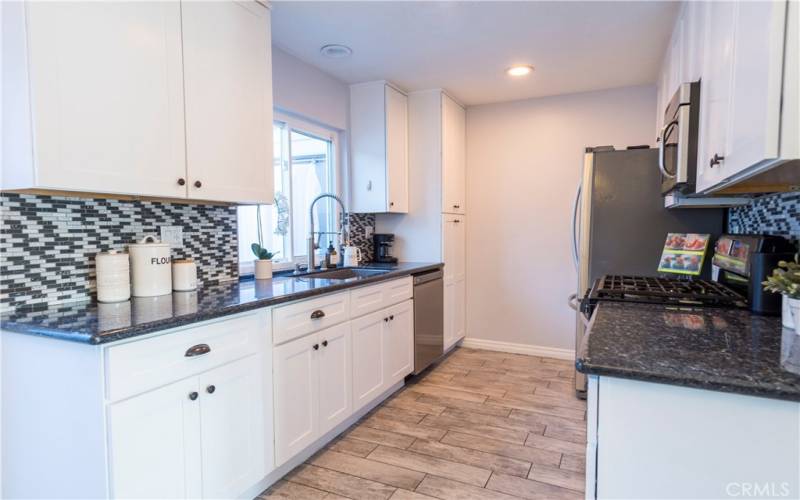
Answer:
(684, 253)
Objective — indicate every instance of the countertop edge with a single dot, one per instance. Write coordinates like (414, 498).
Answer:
(118, 335)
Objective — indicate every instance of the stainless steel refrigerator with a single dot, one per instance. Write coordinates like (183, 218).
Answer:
(620, 223)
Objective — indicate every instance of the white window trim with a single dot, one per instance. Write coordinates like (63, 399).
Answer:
(307, 127)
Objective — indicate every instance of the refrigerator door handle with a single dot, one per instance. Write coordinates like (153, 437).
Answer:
(575, 206)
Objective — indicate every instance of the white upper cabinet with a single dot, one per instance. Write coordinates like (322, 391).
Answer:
(227, 67)
(746, 56)
(138, 98)
(378, 148)
(454, 178)
(106, 97)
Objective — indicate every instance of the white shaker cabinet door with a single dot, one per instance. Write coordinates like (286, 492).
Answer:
(154, 442)
(453, 156)
(368, 369)
(228, 80)
(715, 96)
(296, 389)
(232, 427)
(453, 243)
(335, 376)
(398, 341)
(396, 150)
(107, 97)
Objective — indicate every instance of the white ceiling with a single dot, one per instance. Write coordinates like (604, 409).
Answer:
(465, 47)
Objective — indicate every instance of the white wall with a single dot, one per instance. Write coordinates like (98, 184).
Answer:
(523, 165)
(304, 90)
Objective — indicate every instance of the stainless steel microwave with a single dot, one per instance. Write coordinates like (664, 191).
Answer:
(677, 141)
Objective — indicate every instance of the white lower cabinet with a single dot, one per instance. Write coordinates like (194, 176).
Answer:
(156, 436)
(368, 371)
(232, 427)
(202, 437)
(312, 388)
(323, 378)
(398, 343)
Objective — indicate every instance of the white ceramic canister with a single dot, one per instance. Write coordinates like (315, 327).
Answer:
(184, 275)
(151, 269)
(113, 276)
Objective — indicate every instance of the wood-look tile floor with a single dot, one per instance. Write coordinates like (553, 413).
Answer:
(479, 425)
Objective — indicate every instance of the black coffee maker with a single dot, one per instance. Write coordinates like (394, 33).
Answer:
(383, 248)
(744, 261)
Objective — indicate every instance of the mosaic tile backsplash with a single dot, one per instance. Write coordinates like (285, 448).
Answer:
(776, 214)
(48, 243)
(358, 233)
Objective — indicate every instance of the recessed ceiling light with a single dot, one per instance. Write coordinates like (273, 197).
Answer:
(336, 51)
(519, 70)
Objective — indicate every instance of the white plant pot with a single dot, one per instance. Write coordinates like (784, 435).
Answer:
(263, 269)
(791, 320)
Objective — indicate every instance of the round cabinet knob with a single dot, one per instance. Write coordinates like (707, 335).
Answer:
(324, 343)
(210, 389)
(316, 347)
(193, 395)
(391, 317)
(391, 203)
(181, 181)
(386, 319)
(198, 184)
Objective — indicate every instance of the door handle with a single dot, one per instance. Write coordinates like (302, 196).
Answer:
(318, 314)
(575, 206)
(716, 160)
(664, 131)
(197, 350)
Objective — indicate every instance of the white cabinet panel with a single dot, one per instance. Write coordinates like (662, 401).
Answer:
(227, 74)
(396, 150)
(378, 148)
(398, 342)
(453, 156)
(232, 428)
(296, 375)
(368, 364)
(154, 444)
(453, 243)
(106, 96)
(335, 376)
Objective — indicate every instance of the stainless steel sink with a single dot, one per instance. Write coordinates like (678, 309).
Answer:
(348, 273)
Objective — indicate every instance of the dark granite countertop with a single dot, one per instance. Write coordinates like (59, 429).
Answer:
(710, 348)
(97, 323)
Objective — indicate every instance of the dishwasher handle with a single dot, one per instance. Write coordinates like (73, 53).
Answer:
(428, 276)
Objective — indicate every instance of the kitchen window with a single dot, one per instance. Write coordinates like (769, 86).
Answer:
(304, 166)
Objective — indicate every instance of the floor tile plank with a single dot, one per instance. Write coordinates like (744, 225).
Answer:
(414, 430)
(453, 490)
(339, 483)
(496, 463)
(424, 463)
(431, 390)
(520, 452)
(399, 414)
(354, 447)
(548, 443)
(558, 477)
(534, 490)
(380, 437)
(575, 463)
(285, 489)
(368, 469)
(481, 430)
(464, 405)
(401, 494)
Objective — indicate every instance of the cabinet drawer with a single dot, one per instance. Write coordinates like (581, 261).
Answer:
(298, 319)
(140, 365)
(375, 297)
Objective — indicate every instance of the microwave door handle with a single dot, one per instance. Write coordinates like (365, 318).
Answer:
(575, 205)
(664, 131)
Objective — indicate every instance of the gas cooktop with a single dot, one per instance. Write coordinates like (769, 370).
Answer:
(667, 291)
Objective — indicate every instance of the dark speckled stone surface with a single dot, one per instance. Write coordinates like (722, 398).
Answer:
(96, 323)
(718, 349)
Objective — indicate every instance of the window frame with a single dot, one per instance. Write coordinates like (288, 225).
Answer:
(309, 128)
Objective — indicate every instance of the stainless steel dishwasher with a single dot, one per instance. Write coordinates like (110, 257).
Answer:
(428, 318)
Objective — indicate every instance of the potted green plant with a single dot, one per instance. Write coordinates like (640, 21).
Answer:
(785, 280)
(263, 262)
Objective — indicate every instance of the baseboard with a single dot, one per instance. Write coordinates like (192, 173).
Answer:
(531, 350)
